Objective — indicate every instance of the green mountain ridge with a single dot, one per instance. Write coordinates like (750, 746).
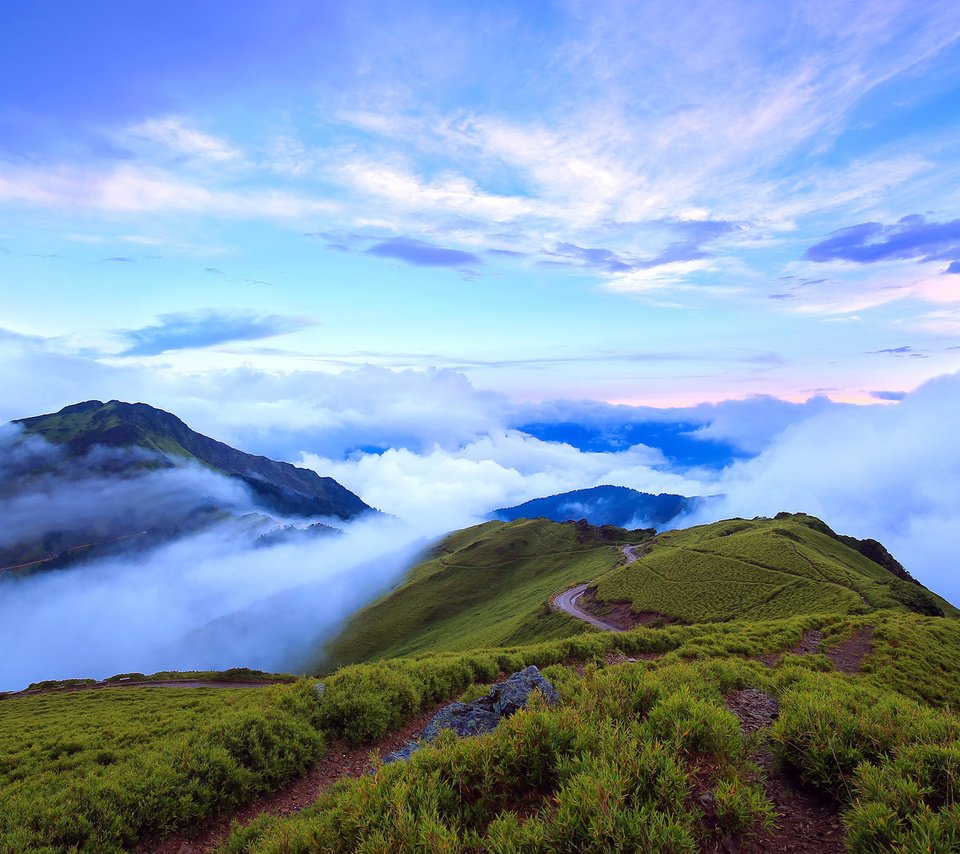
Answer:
(281, 487)
(492, 584)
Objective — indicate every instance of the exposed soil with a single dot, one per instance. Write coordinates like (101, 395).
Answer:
(755, 709)
(621, 614)
(806, 822)
(849, 655)
(338, 762)
(809, 644)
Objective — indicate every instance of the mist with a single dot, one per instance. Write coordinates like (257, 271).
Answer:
(891, 473)
(205, 591)
(160, 611)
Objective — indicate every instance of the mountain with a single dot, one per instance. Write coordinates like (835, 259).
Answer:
(792, 694)
(280, 487)
(100, 479)
(493, 584)
(762, 569)
(483, 586)
(602, 505)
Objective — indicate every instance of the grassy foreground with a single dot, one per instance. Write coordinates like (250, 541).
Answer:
(101, 770)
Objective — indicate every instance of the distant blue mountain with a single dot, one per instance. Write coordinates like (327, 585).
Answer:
(674, 439)
(602, 505)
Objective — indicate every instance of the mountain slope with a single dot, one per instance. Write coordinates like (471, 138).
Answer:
(601, 505)
(762, 569)
(482, 586)
(281, 487)
(492, 584)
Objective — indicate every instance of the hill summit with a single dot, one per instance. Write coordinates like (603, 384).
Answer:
(602, 505)
(281, 487)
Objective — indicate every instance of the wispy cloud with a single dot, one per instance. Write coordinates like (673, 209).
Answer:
(176, 136)
(133, 189)
(422, 254)
(912, 237)
(187, 331)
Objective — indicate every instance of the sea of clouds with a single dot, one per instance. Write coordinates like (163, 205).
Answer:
(436, 454)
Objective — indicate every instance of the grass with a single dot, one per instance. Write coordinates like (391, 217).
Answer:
(759, 569)
(99, 770)
(484, 586)
(619, 764)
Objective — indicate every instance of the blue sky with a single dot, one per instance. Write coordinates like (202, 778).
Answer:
(652, 203)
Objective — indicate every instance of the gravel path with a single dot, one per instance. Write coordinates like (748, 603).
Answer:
(567, 602)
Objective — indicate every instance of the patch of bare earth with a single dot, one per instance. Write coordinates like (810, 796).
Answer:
(806, 823)
(809, 644)
(621, 614)
(338, 762)
(849, 655)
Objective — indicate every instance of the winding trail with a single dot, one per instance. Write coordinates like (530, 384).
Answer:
(567, 600)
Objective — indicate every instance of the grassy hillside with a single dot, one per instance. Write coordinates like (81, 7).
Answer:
(281, 486)
(490, 584)
(483, 586)
(621, 764)
(761, 569)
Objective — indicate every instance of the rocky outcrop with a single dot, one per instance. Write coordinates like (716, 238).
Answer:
(465, 719)
(482, 716)
(512, 695)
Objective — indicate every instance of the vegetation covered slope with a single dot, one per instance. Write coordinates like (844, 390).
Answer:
(492, 584)
(281, 487)
(762, 569)
(621, 764)
(482, 586)
(602, 505)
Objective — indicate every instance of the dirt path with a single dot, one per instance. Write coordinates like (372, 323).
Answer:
(630, 552)
(338, 762)
(807, 823)
(849, 655)
(567, 602)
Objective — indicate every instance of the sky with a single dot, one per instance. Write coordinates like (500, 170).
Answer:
(461, 255)
(641, 203)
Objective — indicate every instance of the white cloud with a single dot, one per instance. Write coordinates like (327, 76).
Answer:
(454, 486)
(887, 472)
(172, 133)
(133, 189)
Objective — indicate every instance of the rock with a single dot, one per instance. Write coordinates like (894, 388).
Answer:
(482, 715)
(465, 719)
(404, 752)
(511, 696)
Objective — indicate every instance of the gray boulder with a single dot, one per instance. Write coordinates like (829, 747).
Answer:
(482, 715)
(465, 719)
(404, 752)
(512, 695)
